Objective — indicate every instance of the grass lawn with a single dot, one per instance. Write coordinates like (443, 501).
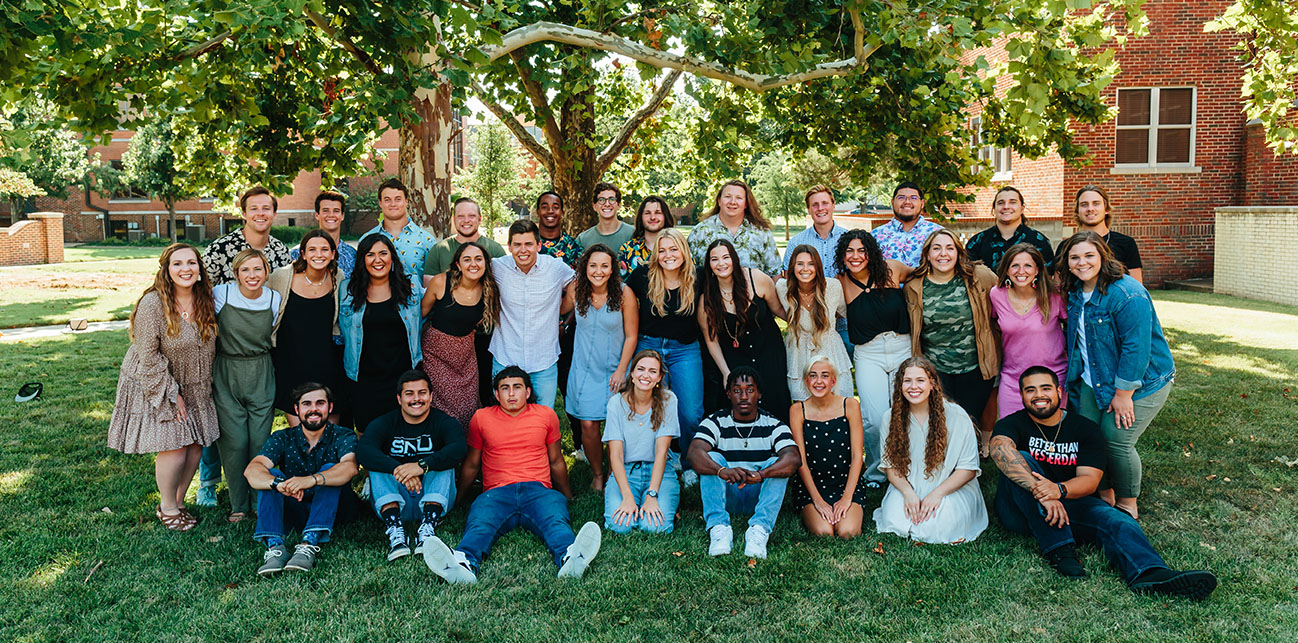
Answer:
(81, 253)
(1217, 495)
(53, 293)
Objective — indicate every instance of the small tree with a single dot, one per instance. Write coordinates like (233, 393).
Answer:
(776, 189)
(150, 164)
(494, 178)
(50, 156)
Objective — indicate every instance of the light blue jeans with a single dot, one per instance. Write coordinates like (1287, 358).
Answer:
(438, 487)
(721, 498)
(685, 379)
(545, 382)
(638, 476)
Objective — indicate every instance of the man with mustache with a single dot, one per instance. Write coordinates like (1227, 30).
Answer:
(1051, 462)
(303, 475)
(902, 238)
(411, 454)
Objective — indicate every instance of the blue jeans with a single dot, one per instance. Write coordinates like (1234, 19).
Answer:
(317, 511)
(209, 467)
(438, 487)
(540, 509)
(685, 379)
(638, 476)
(1090, 520)
(721, 498)
(545, 382)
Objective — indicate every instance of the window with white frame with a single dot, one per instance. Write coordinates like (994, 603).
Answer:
(998, 158)
(1155, 127)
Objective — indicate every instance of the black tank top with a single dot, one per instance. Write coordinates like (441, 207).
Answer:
(875, 311)
(452, 317)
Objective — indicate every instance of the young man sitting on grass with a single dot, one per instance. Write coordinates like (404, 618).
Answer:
(1051, 462)
(516, 447)
(744, 457)
(303, 475)
(411, 454)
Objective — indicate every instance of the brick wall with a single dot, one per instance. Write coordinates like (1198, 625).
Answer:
(1269, 179)
(1253, 237)
(37, 240)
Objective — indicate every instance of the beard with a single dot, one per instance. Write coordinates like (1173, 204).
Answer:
(1044, 413)
(906, 217)
(314, 422)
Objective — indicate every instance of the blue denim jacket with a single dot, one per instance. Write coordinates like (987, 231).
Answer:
(1124, 342)
(350, 323)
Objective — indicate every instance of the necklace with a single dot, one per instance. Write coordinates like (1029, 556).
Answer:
(308, 280)
(728, 296)
(745, 438)
(734, 334)
(1058, 427)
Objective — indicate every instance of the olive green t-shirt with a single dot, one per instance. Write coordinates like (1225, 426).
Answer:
(439, 258)
(948, 334)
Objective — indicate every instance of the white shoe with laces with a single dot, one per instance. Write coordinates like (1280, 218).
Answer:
(722, 540)
(582, 551)
(755, 540)
(451, 566)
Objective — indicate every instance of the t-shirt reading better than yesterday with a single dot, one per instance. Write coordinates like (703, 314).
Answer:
(1078, 443)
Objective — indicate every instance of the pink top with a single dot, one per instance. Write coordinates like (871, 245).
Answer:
(1027, 342)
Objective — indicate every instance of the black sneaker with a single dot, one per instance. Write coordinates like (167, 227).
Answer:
(1195, 584)
(397, 547)
(1064, 560)
(426, 531)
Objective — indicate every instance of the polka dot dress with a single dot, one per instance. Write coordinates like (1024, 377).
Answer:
(829, 456)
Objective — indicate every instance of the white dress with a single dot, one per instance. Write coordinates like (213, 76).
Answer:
(962, 515)
(800, 348)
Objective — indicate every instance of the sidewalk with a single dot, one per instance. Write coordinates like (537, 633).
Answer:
(40, 332)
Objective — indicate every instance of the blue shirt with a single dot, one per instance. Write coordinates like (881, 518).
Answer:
(346, 257)
(903, 246)
(412, 246)
(825, 247)
(351, 324)
(1125, 347)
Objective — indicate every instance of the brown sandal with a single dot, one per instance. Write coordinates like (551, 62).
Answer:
(236, 517)
(180, 521)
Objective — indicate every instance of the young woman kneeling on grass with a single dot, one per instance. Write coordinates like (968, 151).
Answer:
(931, 457)
(828, 430)
(640, 424)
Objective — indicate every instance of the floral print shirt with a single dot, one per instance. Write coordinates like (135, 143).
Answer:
(220, 255)
(756, 247)
(903, 246)
(565, 248)
(632, 255)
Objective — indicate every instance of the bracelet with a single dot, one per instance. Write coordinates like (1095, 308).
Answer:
(321, 481)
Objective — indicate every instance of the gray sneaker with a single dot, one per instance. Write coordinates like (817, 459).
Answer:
(275, 558)
(581, 551)
(303, 557)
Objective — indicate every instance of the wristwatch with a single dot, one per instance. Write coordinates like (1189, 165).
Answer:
(1063, 491)
(274, 484)
(423, 464)
(651, 493)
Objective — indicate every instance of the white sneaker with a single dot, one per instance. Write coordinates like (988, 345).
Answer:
(581, 551)
(365, 490)
(755, 541)
(452, 567)
(580, 455)
(689, 478)
(723, 538)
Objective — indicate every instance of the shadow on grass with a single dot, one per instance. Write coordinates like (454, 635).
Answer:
(41, 313)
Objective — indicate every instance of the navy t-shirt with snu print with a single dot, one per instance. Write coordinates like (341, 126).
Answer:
(745, 444)
(1059, 449)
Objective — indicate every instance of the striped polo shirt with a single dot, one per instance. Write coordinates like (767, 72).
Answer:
(745, 444)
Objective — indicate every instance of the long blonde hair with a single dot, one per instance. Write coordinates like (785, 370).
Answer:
(657, 398)
(204, 303)
(658, 281)
(820, 321)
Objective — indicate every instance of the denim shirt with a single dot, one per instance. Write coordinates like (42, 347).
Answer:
(1124, 342)
(350, 322)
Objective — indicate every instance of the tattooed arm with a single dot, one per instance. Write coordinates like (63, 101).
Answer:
(1008, 459)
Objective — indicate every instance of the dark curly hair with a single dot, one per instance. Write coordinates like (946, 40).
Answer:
(584, 287)
(876, 268)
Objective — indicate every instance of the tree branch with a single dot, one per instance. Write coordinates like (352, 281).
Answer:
(576, 36)
(520, 132)
(323, 24)
(540, 104)
(206, 46)
(606, 157)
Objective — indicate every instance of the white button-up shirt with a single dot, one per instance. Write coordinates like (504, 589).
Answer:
(528, 333)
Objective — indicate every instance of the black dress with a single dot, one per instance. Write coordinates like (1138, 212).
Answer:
(304, 348)
(385, 355)
(829, 456)
(760, 345)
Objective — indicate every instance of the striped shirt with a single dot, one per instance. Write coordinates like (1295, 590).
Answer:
(745, 444)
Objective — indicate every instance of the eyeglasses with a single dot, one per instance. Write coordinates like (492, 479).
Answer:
(900, 197)
(606, 199)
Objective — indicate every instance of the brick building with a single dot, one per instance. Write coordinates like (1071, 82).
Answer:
(1180, 147)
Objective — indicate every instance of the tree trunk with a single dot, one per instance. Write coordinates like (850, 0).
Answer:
(425, 162)
(171, 215)
(575, 173)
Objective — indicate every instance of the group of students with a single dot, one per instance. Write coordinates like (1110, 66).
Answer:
(447, 358)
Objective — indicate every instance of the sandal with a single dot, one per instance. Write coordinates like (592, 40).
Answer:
(179, 521)
(236, 517)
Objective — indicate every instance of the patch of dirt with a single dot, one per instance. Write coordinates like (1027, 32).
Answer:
(74, 281)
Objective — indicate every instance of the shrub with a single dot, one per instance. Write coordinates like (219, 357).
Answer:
(290, 235)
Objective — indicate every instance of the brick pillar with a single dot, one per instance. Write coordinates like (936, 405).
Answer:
(52, 234)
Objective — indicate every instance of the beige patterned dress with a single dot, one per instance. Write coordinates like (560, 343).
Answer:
(155, 370)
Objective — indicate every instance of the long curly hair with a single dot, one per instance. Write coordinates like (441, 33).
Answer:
(658, 281)
(896, 448)
(752, 211)
(1111, 269)
(712, 302)
(876, 267)
(490, 296)
(585, 289)
(964, 267)
(299, 264)
(1044, 285)
(398, 283)
(204, 304)
(658, 398)
(820, 321)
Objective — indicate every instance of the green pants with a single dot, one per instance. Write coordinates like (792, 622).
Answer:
(1124, 471)
(243, 389)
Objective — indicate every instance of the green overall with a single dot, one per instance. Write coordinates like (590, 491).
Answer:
(243, 388)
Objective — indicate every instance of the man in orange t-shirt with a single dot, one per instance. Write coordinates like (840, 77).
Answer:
(516, 447)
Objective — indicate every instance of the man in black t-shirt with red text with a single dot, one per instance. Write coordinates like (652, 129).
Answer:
(1051, 462)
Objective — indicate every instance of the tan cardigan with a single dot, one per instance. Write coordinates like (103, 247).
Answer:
(986, 334)
(281, 281)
